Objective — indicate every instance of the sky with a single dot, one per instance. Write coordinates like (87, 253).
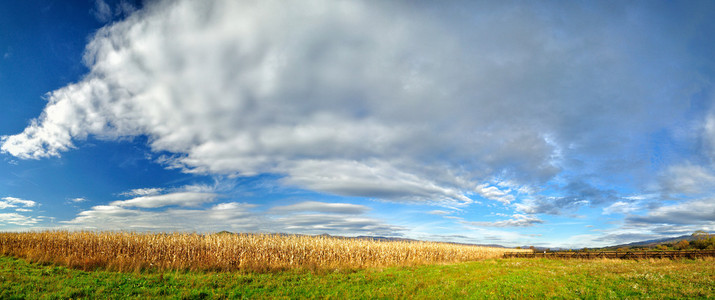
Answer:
(551, 123)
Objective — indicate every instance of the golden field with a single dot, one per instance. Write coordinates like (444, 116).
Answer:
(127, 251)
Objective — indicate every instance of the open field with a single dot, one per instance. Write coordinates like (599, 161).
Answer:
(229, 252)
(493, 278)
(61, 264)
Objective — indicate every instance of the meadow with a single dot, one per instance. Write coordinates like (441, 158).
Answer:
(514, 278)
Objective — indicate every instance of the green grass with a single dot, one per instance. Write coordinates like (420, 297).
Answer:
(498, 279)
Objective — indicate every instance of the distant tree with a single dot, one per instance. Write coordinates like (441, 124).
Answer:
(518, 247)
(661, 247)
(703, 240)
(682, 245)
(700, 234)
(622, 249)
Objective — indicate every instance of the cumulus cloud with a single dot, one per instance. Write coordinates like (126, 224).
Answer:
(408, 103)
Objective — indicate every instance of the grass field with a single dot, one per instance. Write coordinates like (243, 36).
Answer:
(492, 278)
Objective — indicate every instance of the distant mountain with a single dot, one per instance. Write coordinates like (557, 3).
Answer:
(656, 242)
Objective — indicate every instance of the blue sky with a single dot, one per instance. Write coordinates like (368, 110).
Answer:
(551, 124)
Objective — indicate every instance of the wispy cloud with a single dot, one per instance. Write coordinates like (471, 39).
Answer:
(102, 11)
(621, 207)
(172, 199)
(315, 206)
(78, 199)
(517, 220)
(143, 192)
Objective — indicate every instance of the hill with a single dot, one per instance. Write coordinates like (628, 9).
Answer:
(664, 241)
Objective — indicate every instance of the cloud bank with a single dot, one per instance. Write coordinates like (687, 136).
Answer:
(182, 210)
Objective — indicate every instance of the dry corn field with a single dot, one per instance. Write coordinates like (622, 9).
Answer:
(124, 251)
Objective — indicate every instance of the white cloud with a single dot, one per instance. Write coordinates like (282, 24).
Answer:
(143, 192)
(709, 134)
(688, 179)
(621, 207)
(375, 179)
(78, 200)
(172, 199)
(576, 194)
(315, 206)
(479, 235)
(494, 193)
(693, 212)
(673, 220)
(439, 212)
(335, 224)
(102, 11)
(17, 219)
(8, 202)
(305, 217)
(20, 206)
(517, 220)
(399, 102)
(224, 216)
